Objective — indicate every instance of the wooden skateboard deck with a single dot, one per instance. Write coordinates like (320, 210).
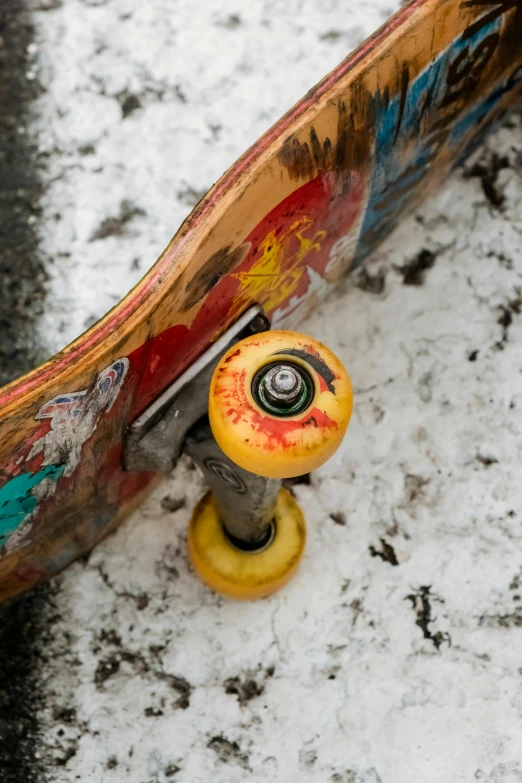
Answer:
(307, 203)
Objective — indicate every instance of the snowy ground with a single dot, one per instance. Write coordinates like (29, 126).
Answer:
(395, 656)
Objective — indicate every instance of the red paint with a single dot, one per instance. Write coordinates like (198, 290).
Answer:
(26, 573)
(157, 363)
(131, 484)
(281, 433)
(322, 383)
(329, 209)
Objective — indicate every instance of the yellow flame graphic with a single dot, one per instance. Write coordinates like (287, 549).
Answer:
(275, 275)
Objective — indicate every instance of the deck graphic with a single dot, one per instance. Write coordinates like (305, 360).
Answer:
(72, 419)
(404, 153)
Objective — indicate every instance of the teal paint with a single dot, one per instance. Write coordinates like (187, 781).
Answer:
(17, 499)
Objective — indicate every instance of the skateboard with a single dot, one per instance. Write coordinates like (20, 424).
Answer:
(205, 335)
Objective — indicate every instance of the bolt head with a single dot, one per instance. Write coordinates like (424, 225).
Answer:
(283, 383)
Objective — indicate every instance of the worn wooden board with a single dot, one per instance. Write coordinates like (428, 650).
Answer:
(305, 205)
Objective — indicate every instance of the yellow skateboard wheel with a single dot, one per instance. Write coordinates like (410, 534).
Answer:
(280, 404)
(240, 574)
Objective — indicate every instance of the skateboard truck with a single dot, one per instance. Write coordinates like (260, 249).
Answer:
(256, 408)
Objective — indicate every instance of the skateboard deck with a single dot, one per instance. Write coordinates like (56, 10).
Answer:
(307, 203)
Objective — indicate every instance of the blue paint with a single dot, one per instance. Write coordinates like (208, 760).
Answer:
(402, 158)
(478, 115)
(17, 499)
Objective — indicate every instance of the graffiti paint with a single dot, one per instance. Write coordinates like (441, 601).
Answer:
(479, 115)
(292, 260)
(73, 418)
(19, 498)
(403, 153)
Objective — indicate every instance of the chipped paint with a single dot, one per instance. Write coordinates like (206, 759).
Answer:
(72, 419)
(19, 499)
(438, 99)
